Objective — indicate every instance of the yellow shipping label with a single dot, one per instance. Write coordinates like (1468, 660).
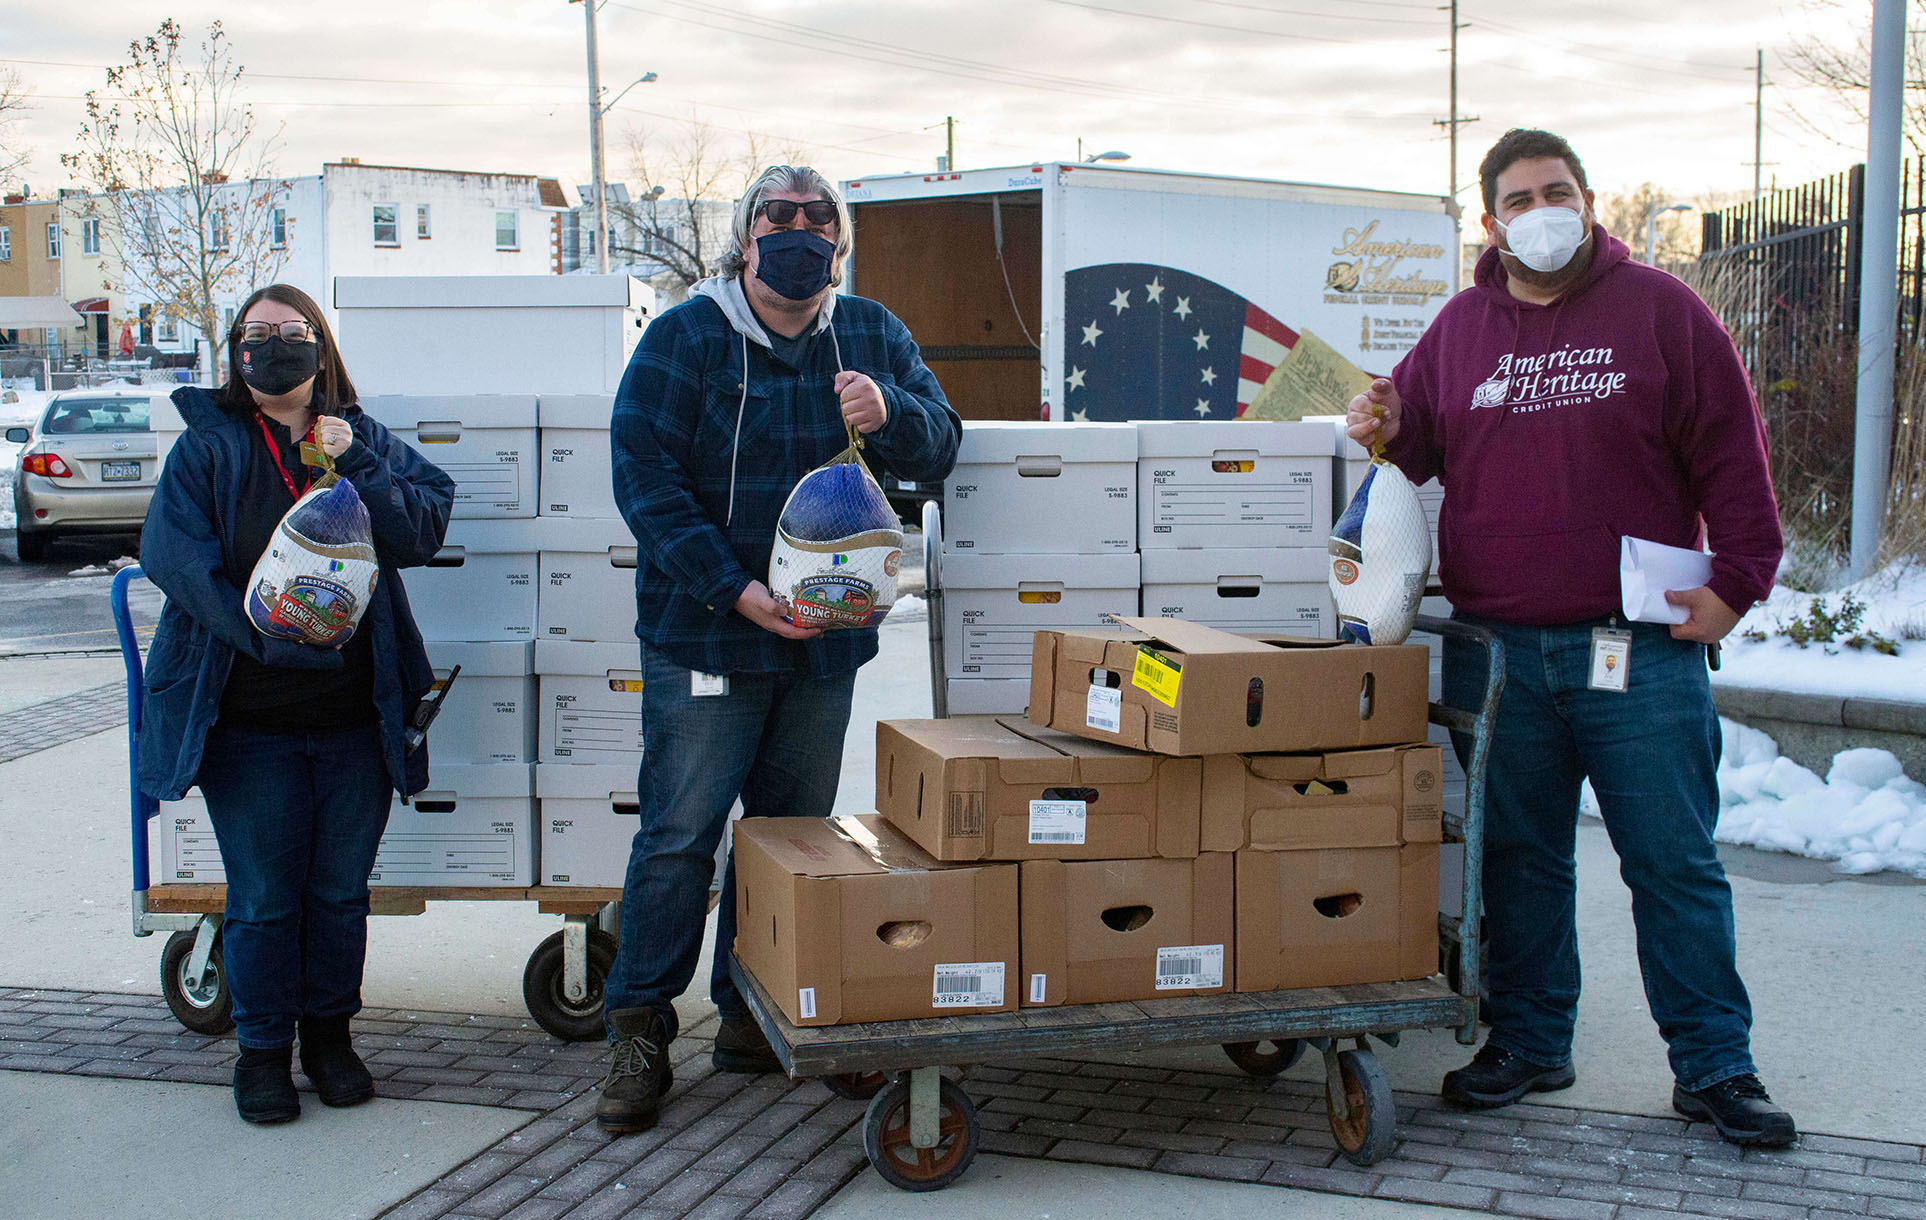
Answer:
(1156, 675)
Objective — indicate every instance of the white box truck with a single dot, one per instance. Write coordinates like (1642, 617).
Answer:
(1068, 291)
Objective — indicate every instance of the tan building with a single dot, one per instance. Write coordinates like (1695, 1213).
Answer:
(30, 275)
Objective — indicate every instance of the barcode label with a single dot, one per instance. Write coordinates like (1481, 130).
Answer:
(1190, 966)
(1103, 709)
(1057, 821)
(1039, 987)
(806, 1003)
(967, 985)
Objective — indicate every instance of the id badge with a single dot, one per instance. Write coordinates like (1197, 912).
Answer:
(1611, 659)
(701, 684)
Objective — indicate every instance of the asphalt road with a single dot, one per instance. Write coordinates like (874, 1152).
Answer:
(44, 607)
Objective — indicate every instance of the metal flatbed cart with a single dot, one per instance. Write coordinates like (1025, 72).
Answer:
(562, 983)
(921, 1130)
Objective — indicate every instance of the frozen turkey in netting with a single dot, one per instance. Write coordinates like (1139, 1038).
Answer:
(313, 582)
(838, 549)
(1380, 553)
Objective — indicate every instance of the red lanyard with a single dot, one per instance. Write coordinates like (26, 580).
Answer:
(280, 467)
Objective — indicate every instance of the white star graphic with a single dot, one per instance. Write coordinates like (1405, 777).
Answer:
(1210, 375)
(1154, 290)
(1122, 300)
(1201, 339)
(1075, 380)
(1082, 417)
(1182, 308)
(1203, 407)
(1091, 332)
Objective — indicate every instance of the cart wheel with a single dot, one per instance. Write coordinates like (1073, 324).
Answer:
(547, 999)
(1265, 1058)
(857, 1086)
(886, 1137)
(1367, 1135)
(204, 1005)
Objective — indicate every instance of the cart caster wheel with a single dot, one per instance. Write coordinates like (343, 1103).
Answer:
(544, 992)
(1264, 1058)
(1366, 1137)
(857, 1086)
(203, 1005)
(886, 1137)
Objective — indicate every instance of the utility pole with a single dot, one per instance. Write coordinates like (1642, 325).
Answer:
(1451, 125)
(949, 144)
(1758, 122)
(1878, 286)
(601, 237)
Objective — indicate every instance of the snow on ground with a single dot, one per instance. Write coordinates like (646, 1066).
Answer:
(1896, 607)
(15, 414)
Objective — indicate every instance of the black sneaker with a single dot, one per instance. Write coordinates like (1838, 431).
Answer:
(741, 1047)
(1496, 1077)
(639, 1071)
(1742, 1111)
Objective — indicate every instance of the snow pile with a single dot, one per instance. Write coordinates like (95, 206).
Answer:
(1865, 814)
(1895, 602)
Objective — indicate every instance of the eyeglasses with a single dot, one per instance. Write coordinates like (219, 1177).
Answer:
(290, 332)
(782, 211)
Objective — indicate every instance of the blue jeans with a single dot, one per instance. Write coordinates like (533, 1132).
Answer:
(1651, 753)
(775, 740)
(298, 817)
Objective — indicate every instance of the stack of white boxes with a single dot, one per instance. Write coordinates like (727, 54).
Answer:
(1039, 530)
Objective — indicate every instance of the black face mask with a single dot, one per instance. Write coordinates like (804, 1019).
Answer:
(275, 366)
(794, 263)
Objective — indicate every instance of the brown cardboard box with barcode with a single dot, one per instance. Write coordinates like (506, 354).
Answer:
(999, 788)
(1174, 687)
(1385, 797)
(1324, 918)
(1095, 931)
(844, 920)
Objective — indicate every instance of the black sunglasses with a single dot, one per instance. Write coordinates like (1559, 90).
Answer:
(782, 211)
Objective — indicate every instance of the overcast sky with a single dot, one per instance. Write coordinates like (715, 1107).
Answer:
(1338, 91)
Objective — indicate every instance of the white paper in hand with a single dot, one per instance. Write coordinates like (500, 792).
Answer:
(1647, 570)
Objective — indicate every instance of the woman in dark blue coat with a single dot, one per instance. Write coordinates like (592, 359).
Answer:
(296, 748)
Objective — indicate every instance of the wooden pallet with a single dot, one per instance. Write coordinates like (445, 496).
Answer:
(404, 899)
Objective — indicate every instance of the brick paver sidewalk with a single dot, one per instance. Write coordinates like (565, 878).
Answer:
(768, 1148)
(59, 721)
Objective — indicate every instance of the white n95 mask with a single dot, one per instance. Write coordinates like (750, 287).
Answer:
(1545, 239)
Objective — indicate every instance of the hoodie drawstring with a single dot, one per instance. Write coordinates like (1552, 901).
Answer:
(735, 450)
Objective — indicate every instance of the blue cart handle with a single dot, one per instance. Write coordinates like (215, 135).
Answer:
(141, 807)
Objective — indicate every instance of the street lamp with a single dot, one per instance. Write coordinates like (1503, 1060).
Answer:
(596, 110)
(1651, 223)
(1112, 155)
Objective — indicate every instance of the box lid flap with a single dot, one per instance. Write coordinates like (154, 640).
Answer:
(1190, 638)
(808, 847)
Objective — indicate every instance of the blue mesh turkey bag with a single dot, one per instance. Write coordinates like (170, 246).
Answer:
(313, 582)
(838, 548)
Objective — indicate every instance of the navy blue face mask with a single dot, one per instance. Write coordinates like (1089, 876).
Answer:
(794, 263)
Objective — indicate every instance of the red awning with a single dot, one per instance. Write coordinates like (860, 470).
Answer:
(92, 305)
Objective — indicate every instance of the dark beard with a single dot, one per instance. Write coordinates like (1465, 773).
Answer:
(1552, 283)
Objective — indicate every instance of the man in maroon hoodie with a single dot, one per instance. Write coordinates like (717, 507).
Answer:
(1572, 398)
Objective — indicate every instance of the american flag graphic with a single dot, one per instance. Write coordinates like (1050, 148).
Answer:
(1149, 342)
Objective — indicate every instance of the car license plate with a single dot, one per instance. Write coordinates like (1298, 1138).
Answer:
(119, 472)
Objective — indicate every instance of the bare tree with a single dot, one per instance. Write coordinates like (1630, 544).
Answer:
(1675, 235)
(182, 188)
(1845, 72)
(13, 104)
(685, 225)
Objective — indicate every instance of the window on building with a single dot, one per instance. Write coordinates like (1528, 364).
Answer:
(169, 330)
(508, 231)
(6, 244)
(217, 238)
(90, 235)
(387, 229)
(422, 231)
(53, 239)
(278, 222)
(659, 242)
(227, 321)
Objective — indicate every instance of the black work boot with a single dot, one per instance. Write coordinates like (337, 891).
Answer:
(329, 1062)
(264, 1086)
(639, 1072)
(741, 1047)
(1741, 1109)
(1496, 1077)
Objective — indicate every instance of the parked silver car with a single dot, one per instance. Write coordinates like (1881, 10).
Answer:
(88, 467)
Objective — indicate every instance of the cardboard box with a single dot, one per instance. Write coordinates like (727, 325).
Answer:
(1278, 589)
(490, 334)
(590, 701)
(587, 581)
(986, 696)
(1347, 798)
(992, 604)
(1042, 488)
(1095, 931)
(489, 716)
(485, 442)
(587, 816)
(844, 920)
(480, 585)
(996, 788)
(181, 848)
(577, 479)
(1184, 688)
(473, 825)
(1338, 916)
(1235, 483)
